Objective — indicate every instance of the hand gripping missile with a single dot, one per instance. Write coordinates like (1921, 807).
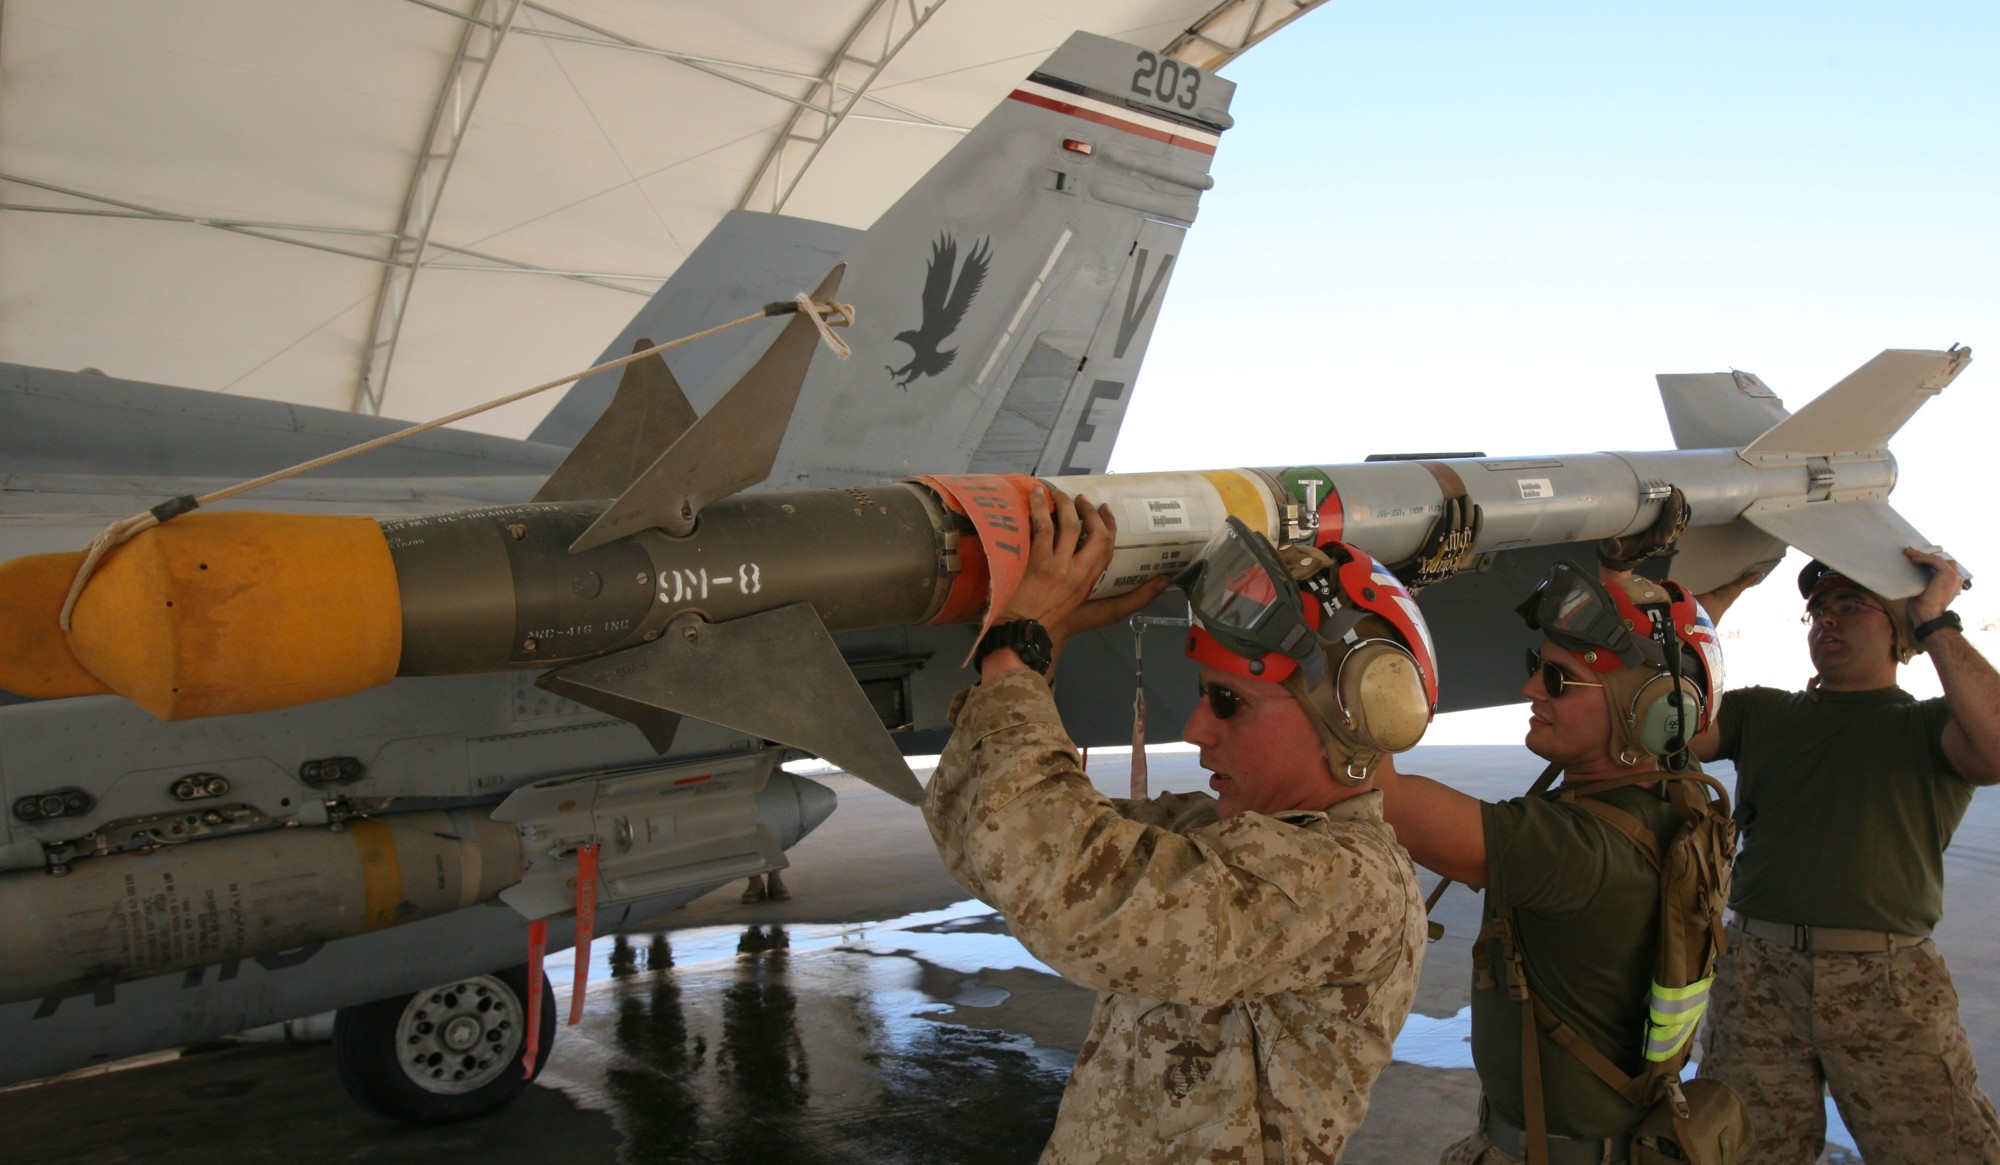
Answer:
(684, 596)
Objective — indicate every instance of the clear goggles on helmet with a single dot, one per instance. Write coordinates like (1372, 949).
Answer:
(1577, 613)
(1242, 595)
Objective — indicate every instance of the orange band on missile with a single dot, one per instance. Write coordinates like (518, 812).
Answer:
(997, 504)
(381, 872)
(214, 614)
(37, 661)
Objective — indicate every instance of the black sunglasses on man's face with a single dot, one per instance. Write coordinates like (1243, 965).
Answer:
(1554, 679)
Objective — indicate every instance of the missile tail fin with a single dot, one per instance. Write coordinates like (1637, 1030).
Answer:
(646, 417)
(1718, 410)
(732, 446)
(1862, 538)
(1865, 409)
(777, 675)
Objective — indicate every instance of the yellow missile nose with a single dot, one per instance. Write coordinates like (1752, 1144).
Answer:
(214, 614)
(38, 662)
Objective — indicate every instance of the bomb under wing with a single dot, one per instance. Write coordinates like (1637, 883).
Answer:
(685, 597)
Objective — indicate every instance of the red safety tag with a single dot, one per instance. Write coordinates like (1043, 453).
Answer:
(586, 926)
(538, 945)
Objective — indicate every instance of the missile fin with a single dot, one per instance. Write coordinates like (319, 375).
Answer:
(777, 675)
(1862, 538)
(1865, 409)
(658, 724)
(1718, 410)
(732, 446)
(647, 416)
(1706, 557)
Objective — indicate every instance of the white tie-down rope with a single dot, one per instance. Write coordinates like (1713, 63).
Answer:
(825, 317)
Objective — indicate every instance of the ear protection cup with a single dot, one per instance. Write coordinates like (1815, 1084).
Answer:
(1655, 721)
(1382, 695)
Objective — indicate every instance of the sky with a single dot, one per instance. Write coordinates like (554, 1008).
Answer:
(1486, 227)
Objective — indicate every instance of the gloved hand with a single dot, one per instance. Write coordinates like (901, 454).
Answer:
(1652, 542)
(1447, 546)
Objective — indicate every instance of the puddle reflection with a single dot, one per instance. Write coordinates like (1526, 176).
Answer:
(774, 1043)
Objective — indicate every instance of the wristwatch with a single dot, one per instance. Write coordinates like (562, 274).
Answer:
(1028, 639)
(1949, 619)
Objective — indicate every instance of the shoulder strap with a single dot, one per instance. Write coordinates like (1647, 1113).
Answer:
(1634, 829)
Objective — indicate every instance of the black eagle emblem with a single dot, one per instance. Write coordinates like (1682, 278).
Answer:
(945, 301)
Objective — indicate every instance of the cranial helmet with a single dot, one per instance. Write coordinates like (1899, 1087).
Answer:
(1818, 578)
(1654, 648)
(1332, 626)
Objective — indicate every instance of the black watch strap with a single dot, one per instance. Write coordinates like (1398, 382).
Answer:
(1028, 639)
(1949, 619)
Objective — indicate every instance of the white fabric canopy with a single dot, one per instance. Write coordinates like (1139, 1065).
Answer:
(228, 194)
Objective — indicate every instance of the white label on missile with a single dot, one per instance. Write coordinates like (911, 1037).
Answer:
(1167, 514)
(1535, 487)
(1134, 566)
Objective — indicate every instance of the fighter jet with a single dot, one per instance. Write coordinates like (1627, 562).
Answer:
(343, 742)
(383, 849)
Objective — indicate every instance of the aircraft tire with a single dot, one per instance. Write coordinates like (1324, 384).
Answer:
(448, 1053)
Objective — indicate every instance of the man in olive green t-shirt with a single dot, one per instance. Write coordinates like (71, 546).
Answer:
(1847, 794)
(1585, 899)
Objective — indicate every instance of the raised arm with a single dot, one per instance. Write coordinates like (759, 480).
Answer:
(1440, 826)
(1971, 688)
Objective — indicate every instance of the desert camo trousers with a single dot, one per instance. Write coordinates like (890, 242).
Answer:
(1881, 1031)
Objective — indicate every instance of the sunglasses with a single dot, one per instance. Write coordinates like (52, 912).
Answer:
(1843, 607)
(1227, 702)
(1554, 678)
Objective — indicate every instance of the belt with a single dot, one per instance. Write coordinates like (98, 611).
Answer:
(1562, 1150)
(1829, 939)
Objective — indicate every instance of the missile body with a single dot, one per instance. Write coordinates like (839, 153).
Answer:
(186, 906)
(172, 905)
(498, 588)
(490, 589)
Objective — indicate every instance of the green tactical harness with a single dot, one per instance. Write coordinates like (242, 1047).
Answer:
(1694, 867)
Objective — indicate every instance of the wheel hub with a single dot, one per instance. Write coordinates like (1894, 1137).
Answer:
(461, 1036)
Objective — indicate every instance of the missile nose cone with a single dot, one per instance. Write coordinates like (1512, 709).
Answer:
(816, 803)
(794, 806)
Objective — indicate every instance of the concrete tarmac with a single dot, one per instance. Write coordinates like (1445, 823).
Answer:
(880, 1015)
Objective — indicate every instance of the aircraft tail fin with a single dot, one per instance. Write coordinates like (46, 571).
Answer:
(1003, 303)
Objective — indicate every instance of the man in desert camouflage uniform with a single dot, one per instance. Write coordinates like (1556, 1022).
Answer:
(1255, 953)
(1847, 794)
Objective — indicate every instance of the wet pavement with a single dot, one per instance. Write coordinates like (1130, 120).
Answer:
(877, 1016)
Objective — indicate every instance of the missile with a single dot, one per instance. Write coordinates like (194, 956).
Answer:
(168, 905)
(685, 596)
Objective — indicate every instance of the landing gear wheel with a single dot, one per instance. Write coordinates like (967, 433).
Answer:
(444, 1054)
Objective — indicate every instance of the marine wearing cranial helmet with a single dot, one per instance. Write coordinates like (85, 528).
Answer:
(1329, 624)
(1255, 953)
(1652, 644)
